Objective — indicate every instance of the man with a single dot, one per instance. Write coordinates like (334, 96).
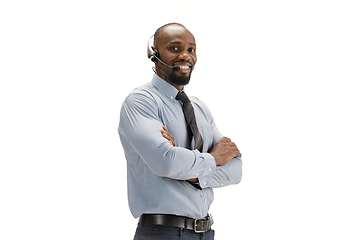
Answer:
(175, 154)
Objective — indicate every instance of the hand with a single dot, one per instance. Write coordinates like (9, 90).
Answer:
(168, 136)
(224, 150)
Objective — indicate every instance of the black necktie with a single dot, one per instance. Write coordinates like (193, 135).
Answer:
(190, 119)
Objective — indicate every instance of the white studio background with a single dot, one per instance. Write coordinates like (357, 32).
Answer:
(280, 77)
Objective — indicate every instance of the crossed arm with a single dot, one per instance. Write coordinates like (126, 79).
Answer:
(139, 130)
(223, 151)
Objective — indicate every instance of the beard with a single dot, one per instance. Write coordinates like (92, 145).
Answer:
(179, 79)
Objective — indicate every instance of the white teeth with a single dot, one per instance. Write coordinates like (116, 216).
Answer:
(184, 67)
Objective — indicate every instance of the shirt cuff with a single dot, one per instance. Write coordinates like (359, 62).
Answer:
(209, 170)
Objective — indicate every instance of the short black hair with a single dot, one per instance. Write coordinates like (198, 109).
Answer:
(160, 29)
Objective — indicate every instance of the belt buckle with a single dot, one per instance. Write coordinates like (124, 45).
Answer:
(196, 225)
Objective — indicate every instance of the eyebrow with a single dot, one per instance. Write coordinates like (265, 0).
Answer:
(180, 43)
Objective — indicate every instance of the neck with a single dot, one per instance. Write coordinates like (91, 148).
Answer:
(178, 87)
(163, 76)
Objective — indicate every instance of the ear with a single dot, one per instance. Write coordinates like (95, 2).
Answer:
(156, 52)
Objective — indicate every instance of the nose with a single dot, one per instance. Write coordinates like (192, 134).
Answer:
(184, 55)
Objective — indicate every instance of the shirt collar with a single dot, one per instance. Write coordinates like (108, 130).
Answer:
(164, 87)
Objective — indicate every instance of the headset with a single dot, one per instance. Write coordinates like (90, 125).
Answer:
(154, 56)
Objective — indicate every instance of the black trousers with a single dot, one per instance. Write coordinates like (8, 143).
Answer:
(156, 232)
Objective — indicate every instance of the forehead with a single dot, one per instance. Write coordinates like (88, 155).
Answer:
(175, 34)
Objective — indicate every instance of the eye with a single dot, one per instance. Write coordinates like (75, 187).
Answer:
(174, 48)
(191, 50)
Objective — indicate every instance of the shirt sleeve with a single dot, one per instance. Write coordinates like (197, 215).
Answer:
(230, 173)
(140, 125)
(225, 175)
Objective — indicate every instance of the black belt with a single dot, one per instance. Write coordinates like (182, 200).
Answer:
(199, 225)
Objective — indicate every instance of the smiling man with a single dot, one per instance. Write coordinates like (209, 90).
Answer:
(174, 151)
(169, 42)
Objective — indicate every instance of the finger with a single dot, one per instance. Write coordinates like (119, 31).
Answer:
(225, 139)
(166, 136)
(168, 133)
(164, 129)
(238, 153)
(171, 141)
(169, 138)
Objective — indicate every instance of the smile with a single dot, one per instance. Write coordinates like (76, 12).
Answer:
(184, 67)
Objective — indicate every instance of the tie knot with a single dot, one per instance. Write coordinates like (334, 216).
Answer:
(183, 97)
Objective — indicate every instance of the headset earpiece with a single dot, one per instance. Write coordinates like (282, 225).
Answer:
(155, 55)
(152, 54)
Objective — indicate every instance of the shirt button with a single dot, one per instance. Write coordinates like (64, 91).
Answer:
(209, 169)
(221, 184)
(196, 174)
(204, 183)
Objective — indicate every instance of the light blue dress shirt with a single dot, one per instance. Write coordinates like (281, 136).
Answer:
(156, 170)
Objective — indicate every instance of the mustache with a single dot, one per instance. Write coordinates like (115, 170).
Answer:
(183, 61)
